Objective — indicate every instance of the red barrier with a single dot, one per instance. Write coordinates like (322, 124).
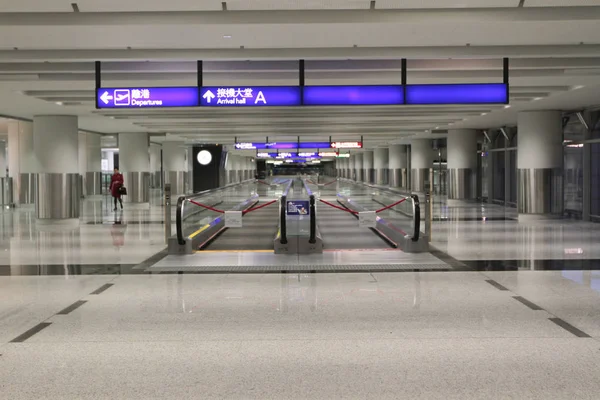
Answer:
(390, 206)
(259, 207)
(338, 207)
(207, 207)
(329, 183)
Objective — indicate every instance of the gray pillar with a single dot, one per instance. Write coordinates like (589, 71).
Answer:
(358, 167)
(398, 166)
(368, 170)
(380, 164)
(175, 166)
(90, 163)
(540, 164)
(3, 165)
(422, 157)
(134, 163)
(156, 179)
(462, 164)
(22, 165)
(56, 148)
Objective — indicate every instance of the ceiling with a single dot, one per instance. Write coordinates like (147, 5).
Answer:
(48, 49)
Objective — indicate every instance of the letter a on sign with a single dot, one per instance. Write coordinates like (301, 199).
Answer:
(260, 97)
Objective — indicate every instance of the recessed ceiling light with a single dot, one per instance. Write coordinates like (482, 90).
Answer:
(437, 127)
(226, 36)
(59, 103)
(578, 87)
(507, 106)
(484, 113)
(537, 98)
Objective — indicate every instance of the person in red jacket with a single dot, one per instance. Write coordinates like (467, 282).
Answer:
(116, 182)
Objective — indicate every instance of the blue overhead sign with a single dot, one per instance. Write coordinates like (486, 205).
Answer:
(477, 93)
(250, 96)
(353, 95)
(291, 96)
(145, 97)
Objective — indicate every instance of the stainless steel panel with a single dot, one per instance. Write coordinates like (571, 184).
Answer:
(25, 188)
(397, 178)
(93, 183)
(138, 187)
(177, 179)
(58, 196)
(540, 191)
(461, 183)
(7, 191)
(418, 179)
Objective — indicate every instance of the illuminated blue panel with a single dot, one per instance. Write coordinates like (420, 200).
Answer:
(282, 145)
(147, 97)
(477, 93)
(353, 95)
(250, 96)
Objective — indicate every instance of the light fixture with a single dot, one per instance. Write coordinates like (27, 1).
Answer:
(484, 113)
(59, 103)
(226, 36)
(537, 98)
(204, 157)
(577, 87)
(507, 106)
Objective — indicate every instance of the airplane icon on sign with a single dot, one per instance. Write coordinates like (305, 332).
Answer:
(122, 97)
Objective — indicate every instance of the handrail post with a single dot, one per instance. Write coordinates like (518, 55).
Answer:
(167, 212)
(179, 220)
(282, 221)
(313, 221)
(416, 218)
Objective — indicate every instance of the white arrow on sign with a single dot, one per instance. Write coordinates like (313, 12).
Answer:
(209, 96)
(106, 97)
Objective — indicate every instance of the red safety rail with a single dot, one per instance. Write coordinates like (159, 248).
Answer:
(258, 207)
(329, 183)
(390, 206)
(264, 183)
(207, 207)
(338, 207)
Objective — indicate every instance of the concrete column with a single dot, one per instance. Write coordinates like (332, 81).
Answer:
(134, 164)
(398, 165)
(58, 186)
(22, 165)
(381, 165)
(352, 167)
(175, 166)
(3, 158)
(422, 156)
(368, 170)
(462, 164)
(540, 164)
(358, 167)
(90, 163)
(156, 179)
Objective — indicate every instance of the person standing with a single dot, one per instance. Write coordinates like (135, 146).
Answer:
(116, 183)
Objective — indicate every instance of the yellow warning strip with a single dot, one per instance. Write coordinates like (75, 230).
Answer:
(199, 231)
(233, 251)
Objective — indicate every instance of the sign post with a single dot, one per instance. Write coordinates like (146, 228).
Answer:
(167, 212)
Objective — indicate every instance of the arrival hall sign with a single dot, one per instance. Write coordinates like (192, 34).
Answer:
(295, 96)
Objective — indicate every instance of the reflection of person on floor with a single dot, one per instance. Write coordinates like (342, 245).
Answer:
(117, 231)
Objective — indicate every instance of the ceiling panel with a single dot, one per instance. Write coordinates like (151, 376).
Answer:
(35, 5)
(146, 5)
(297, 4)
(561, 3)
(388, 4)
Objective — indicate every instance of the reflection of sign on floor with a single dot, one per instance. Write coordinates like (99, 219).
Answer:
(298, 207)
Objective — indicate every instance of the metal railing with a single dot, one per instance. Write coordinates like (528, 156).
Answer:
(313, 214)
(184, 210)
(282, 214)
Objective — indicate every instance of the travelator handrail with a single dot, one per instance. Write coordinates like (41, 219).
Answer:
(181, 201)
(415, 215)
(282, 213)
(312, 212)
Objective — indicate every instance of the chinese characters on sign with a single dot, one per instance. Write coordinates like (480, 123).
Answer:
(250, 96)
(147, 97)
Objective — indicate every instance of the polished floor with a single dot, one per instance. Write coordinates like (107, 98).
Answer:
(92, 312)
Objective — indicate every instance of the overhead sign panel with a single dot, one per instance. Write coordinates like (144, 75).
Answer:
(477, 93)
(346, 145)
(250, 96)
(353, 95)
(141, 97)
(282, 145)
